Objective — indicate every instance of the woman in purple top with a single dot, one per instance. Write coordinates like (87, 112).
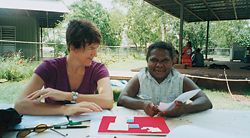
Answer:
(75, 78)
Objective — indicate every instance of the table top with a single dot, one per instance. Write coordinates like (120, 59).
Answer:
(210, 123)
(122, 75)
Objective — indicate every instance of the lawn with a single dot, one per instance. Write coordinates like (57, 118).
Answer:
(9, 91)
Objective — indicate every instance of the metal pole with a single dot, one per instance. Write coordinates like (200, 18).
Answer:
(181, 31)
(207, 39)
(41, 45)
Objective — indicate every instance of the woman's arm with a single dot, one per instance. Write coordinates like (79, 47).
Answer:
(104, 98)
(200, 101)
(25, 104)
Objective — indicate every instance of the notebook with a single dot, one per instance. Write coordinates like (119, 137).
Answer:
(133, 125)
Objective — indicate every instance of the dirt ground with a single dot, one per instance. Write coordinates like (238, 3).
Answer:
(242, 99)
(238, 79)
(235, 71)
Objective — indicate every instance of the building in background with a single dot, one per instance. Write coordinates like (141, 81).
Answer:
(21, 23)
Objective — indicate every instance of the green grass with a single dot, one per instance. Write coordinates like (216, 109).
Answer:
(223, 100)
(9, 91)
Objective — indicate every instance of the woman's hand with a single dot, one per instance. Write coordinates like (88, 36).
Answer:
(177, 109)
(150, 109)
(82, 107)
(48, 92)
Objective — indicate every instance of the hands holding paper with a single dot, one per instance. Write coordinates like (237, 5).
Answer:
(174, 109)
(151, 109)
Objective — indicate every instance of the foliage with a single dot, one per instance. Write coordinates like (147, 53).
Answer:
(226, 33)
(143, 23)
(55, 38)
(117, 21)
(147, 24)
(116, 93)
(196, 34)
(16, 68)
(93, 11)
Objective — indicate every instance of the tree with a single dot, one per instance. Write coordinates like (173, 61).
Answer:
(93, 11)
(195, 33)
(226, 33)
(147, 24)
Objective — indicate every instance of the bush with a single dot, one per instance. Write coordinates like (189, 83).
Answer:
(16, 68)
(116, 93)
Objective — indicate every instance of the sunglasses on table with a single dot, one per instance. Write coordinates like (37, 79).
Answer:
(38, 129)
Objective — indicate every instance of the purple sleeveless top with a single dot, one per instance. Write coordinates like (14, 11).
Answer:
(54, 74)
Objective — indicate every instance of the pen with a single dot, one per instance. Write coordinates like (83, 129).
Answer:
(65, 127)
(74, 123)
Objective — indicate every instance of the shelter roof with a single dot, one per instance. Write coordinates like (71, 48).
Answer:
(205, 10)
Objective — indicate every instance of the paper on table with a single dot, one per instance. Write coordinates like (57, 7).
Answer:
(29, 121)
(90, 116)
(182, 98)
(6, 106)
(119, 124)
(116, 126)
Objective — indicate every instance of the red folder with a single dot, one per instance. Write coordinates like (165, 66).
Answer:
(142, 121)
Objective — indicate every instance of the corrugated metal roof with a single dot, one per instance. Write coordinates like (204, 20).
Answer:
(47, 12)
(35, 5)
(205, 10)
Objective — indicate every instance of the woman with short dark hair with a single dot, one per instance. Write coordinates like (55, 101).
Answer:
(73, 84)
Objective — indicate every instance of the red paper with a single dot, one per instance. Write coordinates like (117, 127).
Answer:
(142, 121)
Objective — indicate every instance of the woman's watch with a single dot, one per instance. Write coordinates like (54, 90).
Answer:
(74, 96)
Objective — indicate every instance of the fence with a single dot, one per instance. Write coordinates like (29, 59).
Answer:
(218, 51)
(34, 50)
(118, 51)
(50, 50)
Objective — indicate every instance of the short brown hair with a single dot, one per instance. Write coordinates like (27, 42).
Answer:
(82, 32)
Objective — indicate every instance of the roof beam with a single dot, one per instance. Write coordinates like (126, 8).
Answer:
(189, 10)
(235, 13)
(211, 10)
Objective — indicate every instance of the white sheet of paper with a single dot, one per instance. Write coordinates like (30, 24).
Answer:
(182, 98)
(152, 129)
(91, 116)
(29, 121)
(187, 95)
(118, 126)
(6, 106)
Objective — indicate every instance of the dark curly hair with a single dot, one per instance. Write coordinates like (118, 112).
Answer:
(162, 45)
